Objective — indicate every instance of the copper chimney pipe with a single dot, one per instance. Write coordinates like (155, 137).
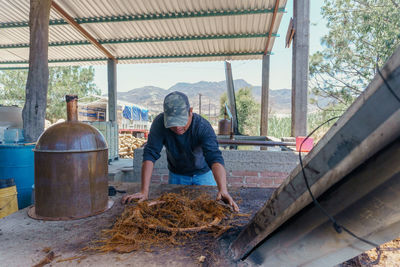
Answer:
(72, 107)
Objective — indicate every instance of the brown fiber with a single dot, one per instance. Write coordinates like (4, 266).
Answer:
(170, 220)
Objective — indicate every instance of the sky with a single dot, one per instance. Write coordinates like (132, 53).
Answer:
(165, 75)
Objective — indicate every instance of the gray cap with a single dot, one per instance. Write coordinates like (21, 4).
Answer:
(176, 110)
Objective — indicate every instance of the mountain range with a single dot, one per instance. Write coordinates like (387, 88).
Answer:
(152, 97)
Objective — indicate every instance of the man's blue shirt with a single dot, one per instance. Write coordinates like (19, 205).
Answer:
(188, 154)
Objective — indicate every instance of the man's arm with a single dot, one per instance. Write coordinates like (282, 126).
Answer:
(220, 177)
(147, 170)
(215, 161)
(151, 153)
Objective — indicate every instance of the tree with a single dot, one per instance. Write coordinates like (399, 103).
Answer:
(362, 36)
(62, 81)
(248, 111)
(34, 111)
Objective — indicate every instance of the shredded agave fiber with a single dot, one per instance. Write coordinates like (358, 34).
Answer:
(169, 220)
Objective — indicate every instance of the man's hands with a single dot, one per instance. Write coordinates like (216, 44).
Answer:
(128, 198)
(225, 197)
(222, 195)
(147, 170)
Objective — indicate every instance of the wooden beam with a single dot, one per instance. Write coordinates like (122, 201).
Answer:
(365, 128)
(272, 26)
(264, 96)
(231, 96)
(81, 30)
(366, 202)
(289, 34)
(34, 111)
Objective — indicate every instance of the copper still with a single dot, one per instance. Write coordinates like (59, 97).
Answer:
(71, 170)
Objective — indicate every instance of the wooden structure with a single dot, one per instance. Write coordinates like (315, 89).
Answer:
(231, 96)
(367, 130)
(110, 32)
(365, 201)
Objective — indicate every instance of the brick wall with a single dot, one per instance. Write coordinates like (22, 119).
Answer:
(236, 178)
(255, 178)
(244, 168)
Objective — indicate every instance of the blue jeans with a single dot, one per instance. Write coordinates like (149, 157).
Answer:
(201, 179)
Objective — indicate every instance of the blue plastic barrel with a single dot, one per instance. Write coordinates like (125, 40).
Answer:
(17, 161)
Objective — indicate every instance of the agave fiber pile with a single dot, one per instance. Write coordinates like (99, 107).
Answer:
(169, 220)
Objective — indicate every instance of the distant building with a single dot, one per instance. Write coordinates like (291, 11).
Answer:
(129, 116)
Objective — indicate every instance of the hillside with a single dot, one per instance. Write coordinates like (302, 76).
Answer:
(152, 97)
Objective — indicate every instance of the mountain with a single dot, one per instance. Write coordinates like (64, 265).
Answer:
(152, 97)
(207, 88)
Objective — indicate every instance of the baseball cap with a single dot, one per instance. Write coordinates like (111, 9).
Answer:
(176, 110)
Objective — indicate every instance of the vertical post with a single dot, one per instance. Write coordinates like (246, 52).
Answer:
(231, 96)
(34, 111)
(209, 108)
(301, 22)
(264, 96)
(112, 90)
(200, 104)
(215, 116)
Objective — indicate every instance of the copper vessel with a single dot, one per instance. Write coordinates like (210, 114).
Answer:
(224, 127)
(71, 170)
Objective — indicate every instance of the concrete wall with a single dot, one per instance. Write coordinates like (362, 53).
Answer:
(244, 167)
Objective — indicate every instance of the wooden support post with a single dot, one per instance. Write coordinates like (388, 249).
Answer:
(199, 104)
(112, 90)
(363, 130)
(264, 96)
(301, 14)
(34, 111)
(231, 96)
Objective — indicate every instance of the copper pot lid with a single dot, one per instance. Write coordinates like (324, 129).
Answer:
(72, 135)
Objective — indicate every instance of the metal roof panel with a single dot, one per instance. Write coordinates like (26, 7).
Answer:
(145, 30)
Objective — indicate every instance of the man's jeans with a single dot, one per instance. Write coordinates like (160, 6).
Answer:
(201, 179)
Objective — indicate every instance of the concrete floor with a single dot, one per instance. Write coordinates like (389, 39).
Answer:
(22, 239)
(120, 170)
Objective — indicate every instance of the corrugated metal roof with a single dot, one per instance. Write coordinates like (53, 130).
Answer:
(144, 31)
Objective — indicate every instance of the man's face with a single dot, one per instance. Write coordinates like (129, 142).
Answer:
(179, 130)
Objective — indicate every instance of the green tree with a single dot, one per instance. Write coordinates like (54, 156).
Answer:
(362, 35)
(248, 111)
(62, 81)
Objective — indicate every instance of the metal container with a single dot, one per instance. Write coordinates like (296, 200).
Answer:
(16, 161)
(224, 127)
(71, 170)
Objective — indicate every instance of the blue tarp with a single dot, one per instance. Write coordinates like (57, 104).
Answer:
(145, 115)
(127, 113)
(136, 113)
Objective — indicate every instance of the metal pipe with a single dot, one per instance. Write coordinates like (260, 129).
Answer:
(243, 137)
(254, 143)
